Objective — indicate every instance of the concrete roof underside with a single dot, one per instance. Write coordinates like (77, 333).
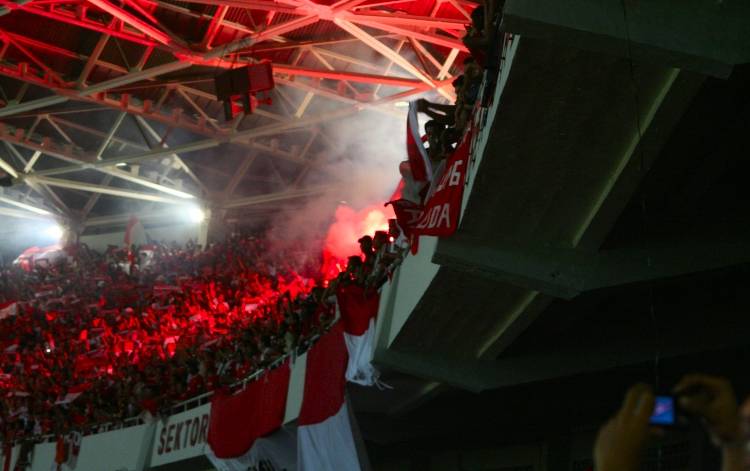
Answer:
(606, 226)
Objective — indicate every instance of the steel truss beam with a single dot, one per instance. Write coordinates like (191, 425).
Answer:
(128, 20)
(107, 190)
(241, 136)
(19, 214)
(280, 196)
(20, 204)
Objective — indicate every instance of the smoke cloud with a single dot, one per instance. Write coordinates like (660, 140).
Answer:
(362, 169)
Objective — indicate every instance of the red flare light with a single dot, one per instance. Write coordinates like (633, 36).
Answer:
(349, 226)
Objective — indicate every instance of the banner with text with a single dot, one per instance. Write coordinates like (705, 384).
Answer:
(443, 209)
(181, 436)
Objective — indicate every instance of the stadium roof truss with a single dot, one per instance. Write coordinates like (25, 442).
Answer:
(111, 99)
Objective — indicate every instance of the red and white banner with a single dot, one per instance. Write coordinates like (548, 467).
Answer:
(358, 311)
(39, 256)
(324, 434)
(135, 234)
(238, 421)
(440, 215)
(246, 431)
(407, 213)
(276, 452)
(443, 209)
(73, 442)
(67, 449)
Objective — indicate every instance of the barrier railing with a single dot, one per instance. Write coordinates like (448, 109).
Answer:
(486, 95)
(202, 399)
(187, 404)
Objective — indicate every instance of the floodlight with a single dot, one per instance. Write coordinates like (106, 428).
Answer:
(196, 214)
(54, 231)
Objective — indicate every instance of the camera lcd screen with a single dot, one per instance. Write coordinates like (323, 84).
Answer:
(664, 411)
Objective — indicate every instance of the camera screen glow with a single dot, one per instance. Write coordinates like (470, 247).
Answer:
(663, 411)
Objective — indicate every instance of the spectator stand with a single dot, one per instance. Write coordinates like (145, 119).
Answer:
(401, 295)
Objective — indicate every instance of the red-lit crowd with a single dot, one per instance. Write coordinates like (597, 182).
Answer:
(93, 338)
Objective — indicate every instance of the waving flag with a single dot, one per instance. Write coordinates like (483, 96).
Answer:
(419, 161)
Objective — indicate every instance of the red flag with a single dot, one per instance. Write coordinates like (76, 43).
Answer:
(407, 214)
(324, 435)
(240, 419)
(442, 211)
(324, 378)
(357, 308)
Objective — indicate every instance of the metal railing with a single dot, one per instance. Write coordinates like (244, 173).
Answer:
(202, 399)
(193, 402)
(486, 95)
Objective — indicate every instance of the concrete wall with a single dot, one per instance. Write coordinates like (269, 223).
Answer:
(178, 233)
(118, 450)
(401, 295)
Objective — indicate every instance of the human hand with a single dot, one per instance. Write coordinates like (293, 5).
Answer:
(621, 441)
(713, 400)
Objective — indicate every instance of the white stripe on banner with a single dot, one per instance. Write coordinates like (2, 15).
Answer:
(275, 452)
(328, 445)
(413, 123)
(360, 347)
(296, 389)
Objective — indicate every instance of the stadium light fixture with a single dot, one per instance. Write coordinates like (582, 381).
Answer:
(196, 214)
(54, 231)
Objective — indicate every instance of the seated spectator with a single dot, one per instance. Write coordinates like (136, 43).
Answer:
(365, 245)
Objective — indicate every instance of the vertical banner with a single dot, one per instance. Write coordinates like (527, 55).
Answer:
(443, 210)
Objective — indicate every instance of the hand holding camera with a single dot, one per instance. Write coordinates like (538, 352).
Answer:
(621, 442)
(712, 400)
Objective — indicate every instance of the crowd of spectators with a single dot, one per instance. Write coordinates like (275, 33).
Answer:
(449, 122)
(379, 257)
(90, 338)
(93, 338)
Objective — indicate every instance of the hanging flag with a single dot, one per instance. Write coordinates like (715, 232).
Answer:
(73, 443)
(238, 423)
(419, 161)
(358, 311)
(407, 213)
(324, 434)
(443, 209)
(275, 452)
(135, 234)
(61, 454)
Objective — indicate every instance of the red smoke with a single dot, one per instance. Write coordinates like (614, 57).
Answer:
(350, 225)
